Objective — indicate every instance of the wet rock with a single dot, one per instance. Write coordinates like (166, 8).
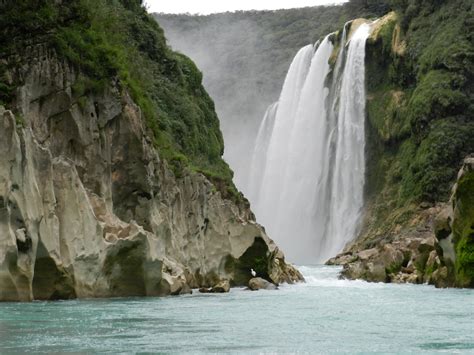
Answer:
(354, 270)
(280, 271)
(221, 287)
(392, 258)
(367, 254)
(342, 259)
(257, 283)
(375, 272)
(440, 278)
(402, 277)
(186, 290)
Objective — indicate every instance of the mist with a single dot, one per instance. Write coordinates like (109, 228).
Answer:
(230, 66)
(244, 57)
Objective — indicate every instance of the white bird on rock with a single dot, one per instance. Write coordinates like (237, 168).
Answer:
(252, 271)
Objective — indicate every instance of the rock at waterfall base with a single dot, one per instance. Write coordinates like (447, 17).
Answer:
(221, 287)
(257, 283)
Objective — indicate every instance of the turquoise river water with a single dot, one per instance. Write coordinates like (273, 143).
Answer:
(324, 315)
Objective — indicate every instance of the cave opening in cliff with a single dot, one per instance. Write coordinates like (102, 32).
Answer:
(49, 281)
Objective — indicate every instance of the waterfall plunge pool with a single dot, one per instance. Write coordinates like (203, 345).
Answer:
(324, 315)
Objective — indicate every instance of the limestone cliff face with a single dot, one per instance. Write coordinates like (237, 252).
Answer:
(88, 208)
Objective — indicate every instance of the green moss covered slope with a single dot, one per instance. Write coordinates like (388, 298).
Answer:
(463, 225)
(420, 128)
(420, 103)
(116, 41)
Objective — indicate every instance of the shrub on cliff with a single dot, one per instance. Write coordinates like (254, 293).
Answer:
(432, 78)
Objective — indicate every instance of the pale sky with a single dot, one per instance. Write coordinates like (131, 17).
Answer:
(212, 6)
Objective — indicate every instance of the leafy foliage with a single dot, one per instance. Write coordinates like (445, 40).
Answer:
(117, 41)
(463, 228)
(419, 113)
(421, 98)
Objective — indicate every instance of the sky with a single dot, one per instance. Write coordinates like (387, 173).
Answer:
(212, 6)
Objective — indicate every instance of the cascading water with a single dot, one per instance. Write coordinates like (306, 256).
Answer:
(349, 171)
(308, 166)
(257, 167)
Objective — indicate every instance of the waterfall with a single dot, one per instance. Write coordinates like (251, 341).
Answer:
(258, 163)
(308, 166)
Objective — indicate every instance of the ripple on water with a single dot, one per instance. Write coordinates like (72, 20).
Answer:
(325, 314)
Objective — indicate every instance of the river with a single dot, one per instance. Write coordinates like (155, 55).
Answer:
(323, 315)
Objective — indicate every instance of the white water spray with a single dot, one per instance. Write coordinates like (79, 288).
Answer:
(308, 166)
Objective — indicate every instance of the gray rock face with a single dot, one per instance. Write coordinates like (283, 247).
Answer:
(257, 283)
(88, 208)
(422, 253)
(221, 287)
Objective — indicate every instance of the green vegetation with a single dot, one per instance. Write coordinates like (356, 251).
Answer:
(463, 229)
(20, 121)
(420, 124)
(420, 98)
(116, 41)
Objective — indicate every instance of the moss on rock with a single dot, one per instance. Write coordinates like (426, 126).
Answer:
(463, 225)
(419, 96)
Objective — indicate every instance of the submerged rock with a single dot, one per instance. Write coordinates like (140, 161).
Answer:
(257, 283)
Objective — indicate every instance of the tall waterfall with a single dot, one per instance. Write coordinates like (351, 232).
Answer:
(307, 172)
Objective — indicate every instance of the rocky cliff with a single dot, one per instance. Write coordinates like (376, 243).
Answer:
(89, 207)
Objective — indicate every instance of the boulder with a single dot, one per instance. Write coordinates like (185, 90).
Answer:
(442, 223)
(367, 254)
(257, 283)
(392, 258)
(402, 277)
(376, 272)
(221, 287)
(427, 245)
(342, 259)
(354, 270)
(441, 278)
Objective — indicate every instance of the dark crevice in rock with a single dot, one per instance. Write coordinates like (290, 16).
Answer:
(206, 225)
(256, 258)
(49, 281)
(24, 245)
